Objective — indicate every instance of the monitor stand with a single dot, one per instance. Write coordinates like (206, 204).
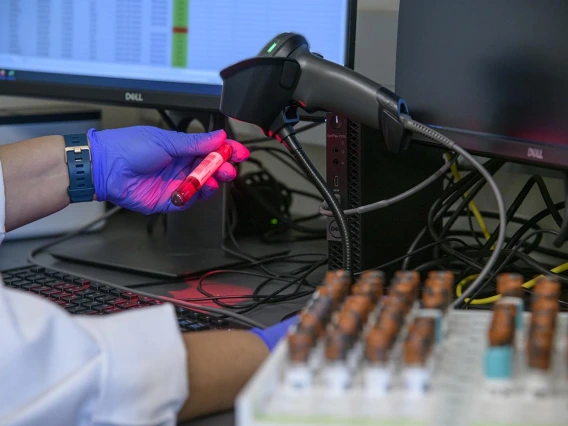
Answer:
(192, 244)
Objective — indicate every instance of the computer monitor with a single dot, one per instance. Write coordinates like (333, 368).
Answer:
(154, 53)
(492, 75)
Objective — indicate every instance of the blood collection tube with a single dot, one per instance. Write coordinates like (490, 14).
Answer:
(202, 172)
(510, 285)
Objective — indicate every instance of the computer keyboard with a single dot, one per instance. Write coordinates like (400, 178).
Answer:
(80, 296)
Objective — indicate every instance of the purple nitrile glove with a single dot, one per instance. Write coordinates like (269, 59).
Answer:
(272, 335)
(138, 168)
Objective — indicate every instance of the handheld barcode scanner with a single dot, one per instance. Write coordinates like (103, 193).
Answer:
(267, 90)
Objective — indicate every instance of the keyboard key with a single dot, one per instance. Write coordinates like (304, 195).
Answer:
(128, 295)
(35, 277)
(112, 310)
(18, 283)
(60, 284)
(37, 269)
(46, 281)
(69, 298)
(219, 322)
(39, 289)
(28, 286)
(83, 301)
(68, 305)
(156, 302)
(115, 292)
(91, 313)
(61, 302)
(119, 301)
(145, 299)
(87, 293)
(131, 304)
(25, 274)
(13, 280)
(101, 307)
(198, 326)
(192, 314)
(81, 282)
(107, 298)
(50, 292)
(58, 275)
(69, 288)
(77, 310)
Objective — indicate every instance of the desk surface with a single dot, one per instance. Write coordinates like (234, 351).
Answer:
(128, 225)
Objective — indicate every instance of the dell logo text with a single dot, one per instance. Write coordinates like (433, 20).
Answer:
(136, 97)
(535, 153)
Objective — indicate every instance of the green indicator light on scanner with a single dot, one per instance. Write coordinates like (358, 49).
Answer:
(271, 48)
(274, 221)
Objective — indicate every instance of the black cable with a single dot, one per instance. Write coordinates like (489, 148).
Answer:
(312, 269)
(506, 261)
(535, 219)
(168, 120)
(472, 231)
(413, 252)
(455, 192)
(563, 234)
(265, 298)
(276, 153)
(463, 204)
(267, 139)
(515, 205)
(292, 144)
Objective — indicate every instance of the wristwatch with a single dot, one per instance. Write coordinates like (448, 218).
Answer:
(78, 159)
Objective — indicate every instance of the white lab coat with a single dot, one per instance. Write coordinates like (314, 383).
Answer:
(61, 370)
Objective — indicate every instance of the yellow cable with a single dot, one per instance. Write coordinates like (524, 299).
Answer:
(471, 205)
(491, 299)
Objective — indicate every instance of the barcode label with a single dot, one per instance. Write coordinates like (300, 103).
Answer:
(207, 167)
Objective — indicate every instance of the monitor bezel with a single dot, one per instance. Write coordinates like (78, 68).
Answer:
(150, 99)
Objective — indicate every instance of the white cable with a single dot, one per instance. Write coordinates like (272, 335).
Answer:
(450, 145)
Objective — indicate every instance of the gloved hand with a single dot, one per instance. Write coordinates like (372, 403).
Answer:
(272, 335)
(138, 168)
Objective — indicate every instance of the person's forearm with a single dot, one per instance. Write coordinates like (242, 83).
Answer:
(35, 179)
(219, 365)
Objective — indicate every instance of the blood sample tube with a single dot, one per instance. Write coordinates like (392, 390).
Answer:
(510, 285)
(202, 172)
(359, 303)
(403, 290)
(391, 320)
(543, 318)
(547, 288)
(310, 324)
(321, 307)
(412, 277)
(447, 278)
(299, 346)
(539, 350)
(378, 344)
(436, 295)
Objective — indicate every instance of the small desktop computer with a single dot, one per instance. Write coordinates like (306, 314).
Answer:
(360, 170)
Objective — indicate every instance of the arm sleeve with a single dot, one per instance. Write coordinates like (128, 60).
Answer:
(123, 369)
